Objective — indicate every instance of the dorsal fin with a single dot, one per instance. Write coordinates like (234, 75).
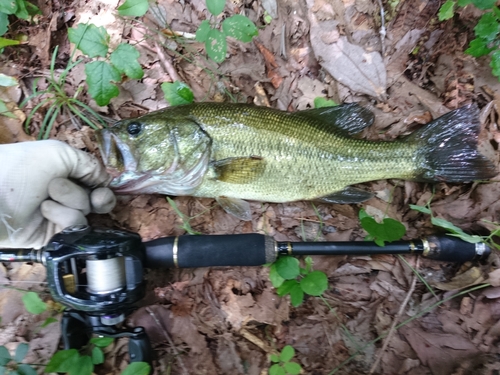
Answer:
(348, 118)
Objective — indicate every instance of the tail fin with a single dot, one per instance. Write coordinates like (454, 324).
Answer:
(448, 148)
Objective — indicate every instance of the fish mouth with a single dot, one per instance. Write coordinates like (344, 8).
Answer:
(116, 155)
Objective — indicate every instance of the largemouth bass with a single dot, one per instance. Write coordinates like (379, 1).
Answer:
(239, 152)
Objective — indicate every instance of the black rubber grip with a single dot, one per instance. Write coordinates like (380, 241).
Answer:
(207, 251)
(453, 249)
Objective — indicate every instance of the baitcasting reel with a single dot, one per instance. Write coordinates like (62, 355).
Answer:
(98, 275)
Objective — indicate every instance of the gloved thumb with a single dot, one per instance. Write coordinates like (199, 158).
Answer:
(84, 167)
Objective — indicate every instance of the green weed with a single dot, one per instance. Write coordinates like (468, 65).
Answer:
(388, 230)
(57, 100)
(211, 32)
(6, 81)
(290, 278)
(487, 41)
(102, 75)
(13, 365)
(282, 364)
(177, 93)
(21, 9)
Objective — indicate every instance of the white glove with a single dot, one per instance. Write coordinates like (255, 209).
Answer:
(33, 172)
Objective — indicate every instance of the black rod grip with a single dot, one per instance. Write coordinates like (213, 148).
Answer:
(209, 251)
(453, 249)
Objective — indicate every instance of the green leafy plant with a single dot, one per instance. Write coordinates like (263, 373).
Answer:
(6, 81)
(13, 365)
(134, 8)
(237, 26)
(73, 362)
(102, 75)
(320, 102)
(388, 230)
(185, 219)
(282, 364)
(21, 9)
(34, 305)
(487, 40)
(177, 93)
(57, 101)
(458, 232)
(289, 277)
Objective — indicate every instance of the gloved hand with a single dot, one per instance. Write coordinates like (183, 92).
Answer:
(37, 197)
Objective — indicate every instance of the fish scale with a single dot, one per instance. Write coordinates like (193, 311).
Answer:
(305, 164)
(236, 152)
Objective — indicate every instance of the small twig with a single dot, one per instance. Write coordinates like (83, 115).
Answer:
(393, 329)
(169, 339)
(383, 31)
(166, 63)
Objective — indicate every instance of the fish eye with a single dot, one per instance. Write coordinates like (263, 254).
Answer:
(134, 128)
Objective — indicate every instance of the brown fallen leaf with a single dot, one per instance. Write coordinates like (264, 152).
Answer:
(271, 65)
(472, 276)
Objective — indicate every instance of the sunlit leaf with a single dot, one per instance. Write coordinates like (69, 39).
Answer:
(177, 93)
(276, 369)
(21, 351)
(314, 283)
(484, 4)
(124, 58)
(495, 63)
(216, 45)
(90, 39)
(388, 230)
(487, 27)
(33, 303)
(287, 353)
(275, 277)
(287, 267)
(134, 8)
(320, 102)
(7, 81)
(446, 10)
(216, 6)
(202, 32)
(8, 6)
(100, 79)
(4, 23)
(292, 368)
(8, 42)
(4, 356)
(239, 27)
(137, 368)
(62, 361)
(478, 47)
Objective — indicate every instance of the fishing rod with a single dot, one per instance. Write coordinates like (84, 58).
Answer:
(97, 273)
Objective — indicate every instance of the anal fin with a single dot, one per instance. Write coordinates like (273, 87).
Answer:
(236, 207)
(347, 196)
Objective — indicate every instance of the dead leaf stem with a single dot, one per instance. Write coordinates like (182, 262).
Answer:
(393, 328)
(166, 63)
(169, 339)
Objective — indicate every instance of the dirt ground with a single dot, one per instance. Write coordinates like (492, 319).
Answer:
(229, 321)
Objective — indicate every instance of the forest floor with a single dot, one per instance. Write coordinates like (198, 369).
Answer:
(229, 321)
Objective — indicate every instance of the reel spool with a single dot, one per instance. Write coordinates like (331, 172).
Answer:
(95, 270)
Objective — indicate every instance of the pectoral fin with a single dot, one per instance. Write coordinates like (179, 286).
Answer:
(236, 207)
(346, 196)
(239, 170)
